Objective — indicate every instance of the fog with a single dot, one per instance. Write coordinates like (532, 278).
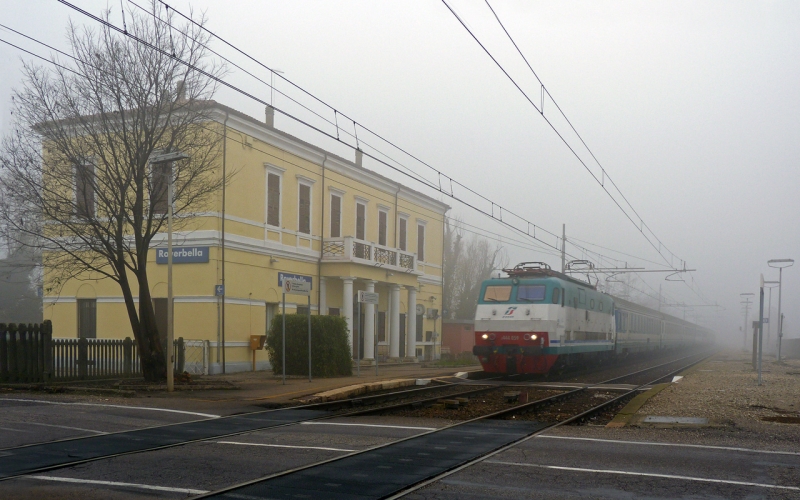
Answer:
(692, 108)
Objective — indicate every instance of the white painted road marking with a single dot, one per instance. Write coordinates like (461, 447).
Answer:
(647, 474)
(64, 427)
(114, 483)
(284, 446)
(371, 425)
(651, 443)
(144, 408)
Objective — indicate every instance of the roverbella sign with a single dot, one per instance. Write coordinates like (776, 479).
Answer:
(183, 255)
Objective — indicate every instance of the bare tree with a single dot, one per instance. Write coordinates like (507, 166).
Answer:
(468, 261)
(76, 172)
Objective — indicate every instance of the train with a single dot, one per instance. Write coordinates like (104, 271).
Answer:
(537, 320)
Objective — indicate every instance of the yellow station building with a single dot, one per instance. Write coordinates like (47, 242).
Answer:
(291, 209)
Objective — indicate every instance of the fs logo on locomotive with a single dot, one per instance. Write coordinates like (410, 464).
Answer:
(510, 311)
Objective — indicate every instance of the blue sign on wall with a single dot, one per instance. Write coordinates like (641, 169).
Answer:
(182, 255)
(298, 277)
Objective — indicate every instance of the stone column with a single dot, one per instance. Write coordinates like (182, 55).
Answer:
(347, 308)
(323, 297)
(411, 323)
(369, 325)
(394, 321)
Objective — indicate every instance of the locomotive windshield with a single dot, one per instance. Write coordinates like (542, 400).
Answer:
(497, 293)
(531, 293)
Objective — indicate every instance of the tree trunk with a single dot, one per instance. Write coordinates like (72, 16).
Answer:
(145, 331)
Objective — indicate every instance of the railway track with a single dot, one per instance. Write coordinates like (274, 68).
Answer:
(39, 457)
(495, 432)
(398, 468)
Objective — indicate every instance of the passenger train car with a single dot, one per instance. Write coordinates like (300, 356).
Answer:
(537, 319)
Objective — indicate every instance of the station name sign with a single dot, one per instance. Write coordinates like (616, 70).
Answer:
(183, 255)
(294, 277)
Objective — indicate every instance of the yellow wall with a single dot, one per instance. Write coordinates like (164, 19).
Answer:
(255, 253)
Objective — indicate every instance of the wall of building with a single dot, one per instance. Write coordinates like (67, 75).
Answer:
(256, 252)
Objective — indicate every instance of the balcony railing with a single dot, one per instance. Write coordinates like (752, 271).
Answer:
(349, 249)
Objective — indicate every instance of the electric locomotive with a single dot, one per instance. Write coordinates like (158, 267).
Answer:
(537, 319)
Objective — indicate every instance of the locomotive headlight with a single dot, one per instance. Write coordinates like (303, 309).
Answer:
(485, 336)
(533, 337)
(527, 336)
(491, 336)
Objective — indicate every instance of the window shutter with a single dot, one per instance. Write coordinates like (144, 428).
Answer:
(382, 228)
(273, 200)
(403, 230)
(336, 216)
(421, 242)
(360, 221)
(305, 209)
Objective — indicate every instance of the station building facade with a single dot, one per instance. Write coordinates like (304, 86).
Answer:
(290, 209)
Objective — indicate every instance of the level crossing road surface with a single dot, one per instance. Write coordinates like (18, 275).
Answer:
(564, 463)
(555, 466)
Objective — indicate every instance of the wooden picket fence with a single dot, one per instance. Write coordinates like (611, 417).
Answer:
(30, 354)
(26, 353)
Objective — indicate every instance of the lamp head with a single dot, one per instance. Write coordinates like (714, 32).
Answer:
(780, 262)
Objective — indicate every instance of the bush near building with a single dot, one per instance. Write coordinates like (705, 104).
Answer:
(330, 352)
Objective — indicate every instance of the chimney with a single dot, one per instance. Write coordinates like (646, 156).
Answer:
(359, 158)
(270, 116)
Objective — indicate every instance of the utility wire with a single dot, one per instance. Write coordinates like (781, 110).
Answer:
(641, 224)
(450, 194)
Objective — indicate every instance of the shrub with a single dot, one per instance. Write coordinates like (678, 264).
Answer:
(330, 351)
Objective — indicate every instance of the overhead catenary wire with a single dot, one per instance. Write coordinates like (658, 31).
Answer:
(438, 188)
(356, 124)
(639, 225)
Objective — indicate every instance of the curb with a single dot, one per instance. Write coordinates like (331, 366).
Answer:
(354, 390)
(624, 416)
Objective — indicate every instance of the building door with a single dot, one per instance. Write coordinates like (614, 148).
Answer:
(160, 308)
(87, 318)
(402, 335)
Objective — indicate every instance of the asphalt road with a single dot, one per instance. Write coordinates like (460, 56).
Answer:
(563, 465)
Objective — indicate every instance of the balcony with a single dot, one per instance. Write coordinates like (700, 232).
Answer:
(349, 249)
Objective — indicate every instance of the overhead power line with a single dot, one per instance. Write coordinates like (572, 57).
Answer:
(640, 225)
(496, 213)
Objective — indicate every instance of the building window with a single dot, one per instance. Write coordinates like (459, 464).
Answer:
(302, 310)
(361, 221)
(84, 190)
(382, 223)
(333, 311)
(272, 311)
(421, 242)
(304, 209)
(160, 187)
(336, 216)
(419, 327)
(273, 199)
(87, 318)
(403, 233)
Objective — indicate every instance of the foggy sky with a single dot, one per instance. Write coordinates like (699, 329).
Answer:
(692, 108)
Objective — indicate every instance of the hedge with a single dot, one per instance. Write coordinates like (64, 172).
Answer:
(330, 351)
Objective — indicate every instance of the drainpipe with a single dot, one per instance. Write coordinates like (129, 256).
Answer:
(396, 219)
(224, 183)
(321, 240)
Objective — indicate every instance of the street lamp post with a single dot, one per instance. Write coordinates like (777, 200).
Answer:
(169, 158)
(780, 264)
